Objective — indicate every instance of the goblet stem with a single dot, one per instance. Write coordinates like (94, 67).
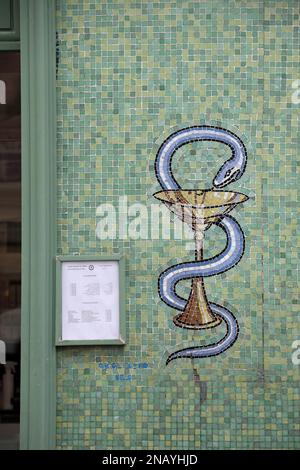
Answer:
(197, 313)
(199, 243)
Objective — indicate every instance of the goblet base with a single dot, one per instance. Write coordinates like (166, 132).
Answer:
(197, 314)
(180, 320)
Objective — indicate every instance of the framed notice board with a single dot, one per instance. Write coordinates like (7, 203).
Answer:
(90, 300)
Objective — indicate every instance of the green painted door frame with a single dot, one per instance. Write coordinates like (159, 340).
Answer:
(38, 389)
(29, 26)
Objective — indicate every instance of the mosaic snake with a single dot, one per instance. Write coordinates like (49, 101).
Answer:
(230, 171)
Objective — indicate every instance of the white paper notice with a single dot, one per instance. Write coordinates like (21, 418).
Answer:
(90, 300)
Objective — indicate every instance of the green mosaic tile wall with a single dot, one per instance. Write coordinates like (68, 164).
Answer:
(129, 74)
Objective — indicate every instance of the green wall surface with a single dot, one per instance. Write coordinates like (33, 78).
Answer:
(129, 74)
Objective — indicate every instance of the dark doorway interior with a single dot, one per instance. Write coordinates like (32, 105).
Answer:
(10, 247)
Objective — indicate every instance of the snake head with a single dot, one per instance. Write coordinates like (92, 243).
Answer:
(228, 173)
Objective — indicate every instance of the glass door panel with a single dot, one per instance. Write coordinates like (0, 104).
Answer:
(10, 247)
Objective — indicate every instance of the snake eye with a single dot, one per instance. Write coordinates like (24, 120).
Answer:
(228, 173)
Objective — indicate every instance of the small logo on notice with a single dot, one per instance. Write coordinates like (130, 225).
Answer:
(91, 267)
